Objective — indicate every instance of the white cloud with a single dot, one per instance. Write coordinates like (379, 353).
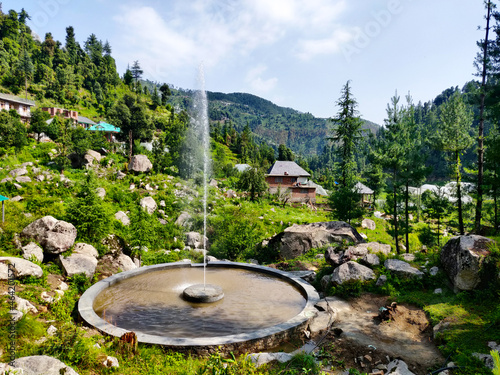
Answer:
(187, 32)
(308, 49)
(259, 84)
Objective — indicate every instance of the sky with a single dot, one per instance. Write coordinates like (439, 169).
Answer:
(295, 53)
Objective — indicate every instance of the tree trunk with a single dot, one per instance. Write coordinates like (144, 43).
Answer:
(459, 196)
(395, 214)
(438, 230)
(495, 206)
(131, 143)
(407, 217)
(480, 136)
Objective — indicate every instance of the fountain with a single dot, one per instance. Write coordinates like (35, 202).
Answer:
(246, 307)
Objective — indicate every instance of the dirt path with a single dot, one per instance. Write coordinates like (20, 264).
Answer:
(407, 336)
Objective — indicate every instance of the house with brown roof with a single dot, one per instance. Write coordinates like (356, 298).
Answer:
(289, 176)
(22, 106)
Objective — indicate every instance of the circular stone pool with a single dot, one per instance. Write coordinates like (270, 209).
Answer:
(261, 305)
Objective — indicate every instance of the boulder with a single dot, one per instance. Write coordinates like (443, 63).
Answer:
(402, 269)
(382, 279)
(195, 240)
(125, 263)
(299, 239)
(259, 359)
(368, 224)
(149, 204)
(92, 155)
(78, 263)
(183, 219)
(40, 178)
(21, 266)
(333, 256)
(32, 250)
(101, 192)
(18, 172)
(351, 271)
(23, 179)
(42, 364)
(120, 175)
(122, 216)
(370, 260)
(86, 249)
(462, 258)
(140, 163)
(55, 236)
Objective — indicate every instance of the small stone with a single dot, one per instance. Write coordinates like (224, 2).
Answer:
(111, 362)
(46, 297)
(51, 331)
(438, 291)
(433, 271)
(381, 280)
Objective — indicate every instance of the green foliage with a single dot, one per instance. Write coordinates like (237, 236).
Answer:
(13, 132)
(348, 289)
(218, 365)
(87, 212)
(253, 181)
(141, 231)
(237, 235)
(345, 203)
(70, 346)
(496, 362)
(302, 364)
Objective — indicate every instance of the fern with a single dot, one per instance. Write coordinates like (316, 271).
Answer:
(496, 362)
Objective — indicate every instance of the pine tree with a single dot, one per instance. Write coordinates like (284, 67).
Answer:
(25, 69)
(453, 137)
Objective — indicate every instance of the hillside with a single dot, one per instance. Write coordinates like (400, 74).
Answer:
(275, 125)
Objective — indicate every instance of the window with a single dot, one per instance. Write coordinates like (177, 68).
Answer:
(294, 179)
(278, 180)
(304, 191)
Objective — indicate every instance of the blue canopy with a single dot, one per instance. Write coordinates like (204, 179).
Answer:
(2, 198)
(104, 127)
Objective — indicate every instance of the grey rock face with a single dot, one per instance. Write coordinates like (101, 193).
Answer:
(149, 204)
(462, 258)
(140, 163)
(351, 271)
(56, 236)
(299, 239)
(42, 364)
(402, 269)
(22, 267)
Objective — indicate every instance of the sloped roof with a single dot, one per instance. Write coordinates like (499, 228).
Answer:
(287, 168)
(85, 120)
(104, 127)
(363, 189)
(16, 99)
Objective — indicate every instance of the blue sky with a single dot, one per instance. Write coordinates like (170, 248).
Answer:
(296, 53)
